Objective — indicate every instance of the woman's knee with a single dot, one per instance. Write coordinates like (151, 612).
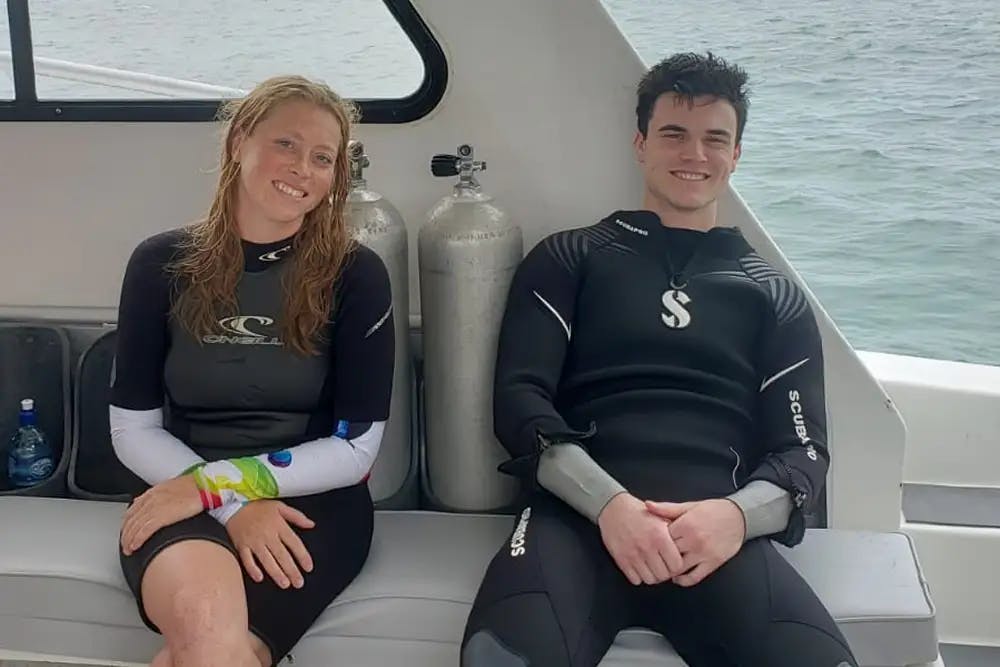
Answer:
(261, 650)
(195, 588)
(163, 658)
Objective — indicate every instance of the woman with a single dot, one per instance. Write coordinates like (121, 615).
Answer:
(254, 362)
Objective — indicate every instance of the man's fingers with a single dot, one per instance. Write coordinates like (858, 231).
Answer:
(671, 573)
(681, 536)
(671, 555)
(294, 516)
(656, 565)
(690, 561)
(695, 576)
(670, 511)
(645, 573)
(250, 565)
(629, 571)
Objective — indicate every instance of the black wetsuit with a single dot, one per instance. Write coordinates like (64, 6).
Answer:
(687, 367)
(241, 392)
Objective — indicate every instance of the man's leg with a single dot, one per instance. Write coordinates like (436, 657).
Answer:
(552, 596)
(755, 610)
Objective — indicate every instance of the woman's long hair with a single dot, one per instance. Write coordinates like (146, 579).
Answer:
(210, 263)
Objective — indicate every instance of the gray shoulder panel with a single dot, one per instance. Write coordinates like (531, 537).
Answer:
(788, 299)
(571, 246)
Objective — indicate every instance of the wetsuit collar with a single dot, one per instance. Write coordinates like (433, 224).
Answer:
(722, 241)
(261, 256)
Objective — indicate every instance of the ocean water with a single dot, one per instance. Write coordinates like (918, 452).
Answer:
(872, 152)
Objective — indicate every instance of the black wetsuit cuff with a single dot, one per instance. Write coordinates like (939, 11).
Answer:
(776, 471)
(526, 466)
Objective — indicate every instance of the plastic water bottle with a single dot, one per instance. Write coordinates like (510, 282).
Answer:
(30, 459)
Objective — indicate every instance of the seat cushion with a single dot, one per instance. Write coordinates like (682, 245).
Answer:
(62, 593)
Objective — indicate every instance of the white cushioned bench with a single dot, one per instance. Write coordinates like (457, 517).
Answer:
(62, 593)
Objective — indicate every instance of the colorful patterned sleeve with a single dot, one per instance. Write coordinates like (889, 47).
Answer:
(327, 463)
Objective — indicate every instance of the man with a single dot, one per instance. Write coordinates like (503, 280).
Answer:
(663, 387)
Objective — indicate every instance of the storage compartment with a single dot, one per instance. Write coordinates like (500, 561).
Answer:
(34, 363)
(95, 471)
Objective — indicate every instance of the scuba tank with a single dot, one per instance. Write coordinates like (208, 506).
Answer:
(378, 225)
(468, 251)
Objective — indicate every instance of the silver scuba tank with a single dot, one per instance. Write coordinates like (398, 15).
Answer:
(378, 225)
(468, 251)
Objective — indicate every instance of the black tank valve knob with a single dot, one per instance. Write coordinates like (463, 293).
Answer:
(445, 165)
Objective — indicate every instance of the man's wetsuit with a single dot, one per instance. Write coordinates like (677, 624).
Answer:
(254, 419)
(687, 367)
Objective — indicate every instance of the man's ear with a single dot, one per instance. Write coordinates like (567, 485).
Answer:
(639, 144)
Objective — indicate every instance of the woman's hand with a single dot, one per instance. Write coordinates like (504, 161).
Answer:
(162, 505)
(262, 533)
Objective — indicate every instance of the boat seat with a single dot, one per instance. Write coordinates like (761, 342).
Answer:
(62, 592)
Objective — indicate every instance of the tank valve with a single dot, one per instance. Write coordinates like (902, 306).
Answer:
(461, 165)
(358, 161)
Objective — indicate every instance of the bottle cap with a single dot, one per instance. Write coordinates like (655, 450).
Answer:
(28, 404)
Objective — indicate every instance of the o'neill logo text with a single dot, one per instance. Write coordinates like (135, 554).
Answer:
(239, 332)
(676, 317)
(799, 421)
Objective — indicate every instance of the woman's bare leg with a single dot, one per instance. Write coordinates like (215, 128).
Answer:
(193, 592)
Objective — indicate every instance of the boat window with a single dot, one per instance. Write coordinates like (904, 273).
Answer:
(6, 71)
(140, 59)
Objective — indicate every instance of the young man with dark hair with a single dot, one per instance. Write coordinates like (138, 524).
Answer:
(669, 413)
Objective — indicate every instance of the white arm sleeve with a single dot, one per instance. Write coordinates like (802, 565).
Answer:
(153, 453)
(146, 448)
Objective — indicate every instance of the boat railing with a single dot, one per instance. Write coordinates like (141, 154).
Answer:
(150, 84)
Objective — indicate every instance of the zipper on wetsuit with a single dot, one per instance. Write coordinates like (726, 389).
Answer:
(799, 496)
(546, 440)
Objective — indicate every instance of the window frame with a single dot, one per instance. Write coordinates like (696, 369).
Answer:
(27, 107)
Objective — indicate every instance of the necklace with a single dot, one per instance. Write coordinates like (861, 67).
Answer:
(675, 299)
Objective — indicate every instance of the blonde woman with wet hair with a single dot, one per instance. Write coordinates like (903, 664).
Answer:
(252, 379)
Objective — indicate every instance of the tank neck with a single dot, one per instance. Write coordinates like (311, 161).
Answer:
(468, 188)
